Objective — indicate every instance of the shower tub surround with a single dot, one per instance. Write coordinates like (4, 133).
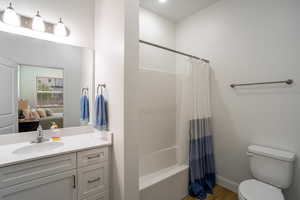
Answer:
(168, 183)
(160, 168)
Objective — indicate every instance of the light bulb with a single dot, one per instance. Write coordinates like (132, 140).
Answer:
(38, 23)
(60, 29)
(10, 16)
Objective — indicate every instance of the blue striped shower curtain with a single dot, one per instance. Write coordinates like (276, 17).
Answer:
(202, 175)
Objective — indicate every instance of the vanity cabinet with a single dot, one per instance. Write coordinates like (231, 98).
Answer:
(83, 175)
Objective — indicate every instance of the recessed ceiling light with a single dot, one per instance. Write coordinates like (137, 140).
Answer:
(162, 1)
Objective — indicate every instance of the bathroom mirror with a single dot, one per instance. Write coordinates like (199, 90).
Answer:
(42, 83)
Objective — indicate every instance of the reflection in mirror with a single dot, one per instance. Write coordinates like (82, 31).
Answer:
(43, 83)
(41, 98)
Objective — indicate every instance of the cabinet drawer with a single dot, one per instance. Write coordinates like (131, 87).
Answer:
(101, 196)
(93, 156)
(20, 173)
(92, 180)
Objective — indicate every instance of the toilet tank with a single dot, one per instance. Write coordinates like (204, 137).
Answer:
(271, 165)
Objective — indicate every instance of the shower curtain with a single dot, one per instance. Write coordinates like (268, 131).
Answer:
(197, 119)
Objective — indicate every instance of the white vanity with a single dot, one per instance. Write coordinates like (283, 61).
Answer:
(74, 168)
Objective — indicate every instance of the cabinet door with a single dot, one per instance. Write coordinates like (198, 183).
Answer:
(57, 187)
(8, 97)
(32, 170)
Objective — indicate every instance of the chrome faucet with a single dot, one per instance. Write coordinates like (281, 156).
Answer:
(40, 136)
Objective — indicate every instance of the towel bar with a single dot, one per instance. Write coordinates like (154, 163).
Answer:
(288, 82)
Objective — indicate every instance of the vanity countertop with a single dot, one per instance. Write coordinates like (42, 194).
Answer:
(72, 140)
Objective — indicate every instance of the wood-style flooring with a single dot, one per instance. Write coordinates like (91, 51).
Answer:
(220, 193)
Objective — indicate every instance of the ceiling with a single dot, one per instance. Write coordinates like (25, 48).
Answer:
(176, 10)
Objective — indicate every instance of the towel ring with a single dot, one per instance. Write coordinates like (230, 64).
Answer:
(86, 90)
(100, 86)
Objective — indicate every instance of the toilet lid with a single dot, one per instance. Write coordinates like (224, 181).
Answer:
(256, 190)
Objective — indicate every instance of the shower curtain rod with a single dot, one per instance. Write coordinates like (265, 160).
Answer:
(172, 50)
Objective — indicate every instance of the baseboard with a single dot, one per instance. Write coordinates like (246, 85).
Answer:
(226, 183)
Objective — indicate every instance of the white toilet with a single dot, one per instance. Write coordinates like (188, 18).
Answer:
(272, 170)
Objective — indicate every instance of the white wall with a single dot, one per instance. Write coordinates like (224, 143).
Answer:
(249, 41)
(78, 16)
(131, 64)
(116, 50)
(154, 28)
(109, 70)
(27, 51)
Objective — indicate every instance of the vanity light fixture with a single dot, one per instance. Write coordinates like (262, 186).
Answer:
(60, 29)
(10, 16)
(38, 23)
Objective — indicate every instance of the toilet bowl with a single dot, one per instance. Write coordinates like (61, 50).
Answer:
(272, 170)
(256, 190)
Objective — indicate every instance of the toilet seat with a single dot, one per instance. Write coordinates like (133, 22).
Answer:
(256, 190)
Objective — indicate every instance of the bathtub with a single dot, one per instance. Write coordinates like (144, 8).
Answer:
(166, 184)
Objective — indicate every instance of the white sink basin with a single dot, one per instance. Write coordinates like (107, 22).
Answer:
(42, 147)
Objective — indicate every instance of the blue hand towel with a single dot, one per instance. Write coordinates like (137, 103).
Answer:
(101, 112)
(84, 108)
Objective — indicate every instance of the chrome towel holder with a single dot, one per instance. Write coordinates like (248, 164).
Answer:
(100, 86)
(83, 90)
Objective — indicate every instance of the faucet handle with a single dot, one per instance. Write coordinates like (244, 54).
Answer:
(40, 136)
(39, 131)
